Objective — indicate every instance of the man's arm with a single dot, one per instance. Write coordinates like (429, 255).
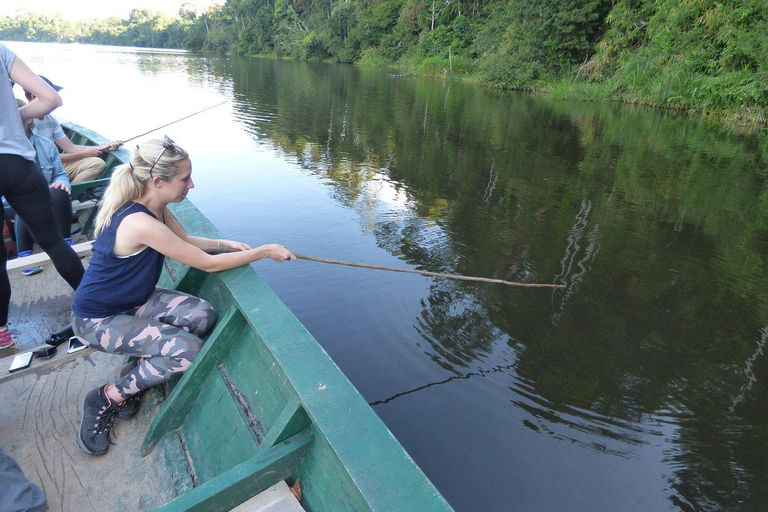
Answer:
(74, 152)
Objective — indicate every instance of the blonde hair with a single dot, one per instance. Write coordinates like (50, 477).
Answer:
(129, 181)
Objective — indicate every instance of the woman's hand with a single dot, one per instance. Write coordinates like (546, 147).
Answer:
(278, 252)
(231, 246)
(61, 186)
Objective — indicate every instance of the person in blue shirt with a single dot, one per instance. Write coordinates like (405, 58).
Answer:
(47, 158)
(82, 163)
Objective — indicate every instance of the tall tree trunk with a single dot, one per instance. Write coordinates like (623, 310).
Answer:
(433, 15)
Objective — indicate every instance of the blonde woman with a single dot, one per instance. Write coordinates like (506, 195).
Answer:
(117, 308)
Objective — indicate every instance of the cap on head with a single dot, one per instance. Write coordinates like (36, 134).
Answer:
(53, 86)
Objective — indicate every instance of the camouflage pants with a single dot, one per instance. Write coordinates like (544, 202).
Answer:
(164, 332)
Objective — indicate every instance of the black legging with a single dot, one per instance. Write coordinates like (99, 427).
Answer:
(23, 185)
(62, 212)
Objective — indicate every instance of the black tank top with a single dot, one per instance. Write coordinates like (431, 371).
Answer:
(114, 284)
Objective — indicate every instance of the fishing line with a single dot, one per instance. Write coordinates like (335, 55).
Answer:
(174, 122)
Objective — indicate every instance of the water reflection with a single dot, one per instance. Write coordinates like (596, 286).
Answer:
(651, 223)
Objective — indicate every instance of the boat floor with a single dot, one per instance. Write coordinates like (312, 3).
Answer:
(39, 417)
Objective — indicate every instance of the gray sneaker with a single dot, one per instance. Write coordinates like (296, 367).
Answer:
(130, 407)
(97, 413)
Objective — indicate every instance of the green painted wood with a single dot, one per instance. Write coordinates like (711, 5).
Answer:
(355, 462)
(216, 434)
(173, 273)
(245, 480)
(178, 405)
(291, 421)
(84, 189)
(78, 139)
(191, 280)
(259, 378)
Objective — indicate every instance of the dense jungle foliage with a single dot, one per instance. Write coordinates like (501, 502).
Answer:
(694, 55)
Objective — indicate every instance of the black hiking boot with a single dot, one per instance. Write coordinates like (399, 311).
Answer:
(130, 407)
(97, 413)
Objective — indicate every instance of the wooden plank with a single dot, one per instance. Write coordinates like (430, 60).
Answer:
(187, 391)
(277, 498)
(252, 370)
(42, 258)
(245, 480)
(40, 304)
(291, 421)
(215, 434)
(39, 418)
(83, 205)
(38, 366)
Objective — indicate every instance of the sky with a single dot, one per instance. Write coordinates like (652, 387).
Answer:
(77, 10)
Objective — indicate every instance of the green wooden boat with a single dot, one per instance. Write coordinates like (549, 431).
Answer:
(263, 403)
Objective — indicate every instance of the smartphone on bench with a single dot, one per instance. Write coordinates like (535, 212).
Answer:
(20, 362)
(75, 345)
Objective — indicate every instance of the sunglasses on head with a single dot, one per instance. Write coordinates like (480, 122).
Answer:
(167, 144)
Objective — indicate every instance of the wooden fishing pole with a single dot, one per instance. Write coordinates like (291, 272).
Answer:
(174, 122)
(427, 273)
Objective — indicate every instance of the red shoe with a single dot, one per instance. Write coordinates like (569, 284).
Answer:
(6, 340)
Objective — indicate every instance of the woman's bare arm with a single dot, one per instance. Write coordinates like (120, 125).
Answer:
(46, 99)
(141, 230)
(206, 244)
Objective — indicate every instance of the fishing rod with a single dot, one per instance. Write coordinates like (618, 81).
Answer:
(174, 122)
(427, 273)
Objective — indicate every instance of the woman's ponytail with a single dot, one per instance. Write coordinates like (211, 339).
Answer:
(124, 186)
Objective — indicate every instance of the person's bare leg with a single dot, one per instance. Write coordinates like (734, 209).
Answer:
(113, 394)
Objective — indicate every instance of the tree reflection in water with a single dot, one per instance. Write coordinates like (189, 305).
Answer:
(657, 226)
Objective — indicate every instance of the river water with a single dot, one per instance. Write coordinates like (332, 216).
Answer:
(639, 386)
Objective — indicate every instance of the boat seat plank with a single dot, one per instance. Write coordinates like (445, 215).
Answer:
(277, 498)
(39, 306)
(38, 366)
(82, 205)
(40, 258)
(245, 480)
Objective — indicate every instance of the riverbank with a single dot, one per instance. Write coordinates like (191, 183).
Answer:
(701, 58)
(752, 117)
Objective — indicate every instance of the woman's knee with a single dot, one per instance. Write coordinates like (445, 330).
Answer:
(202, 319)
(184, 359)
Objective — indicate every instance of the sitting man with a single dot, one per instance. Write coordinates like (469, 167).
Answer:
(82, 163)
(47, 157)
